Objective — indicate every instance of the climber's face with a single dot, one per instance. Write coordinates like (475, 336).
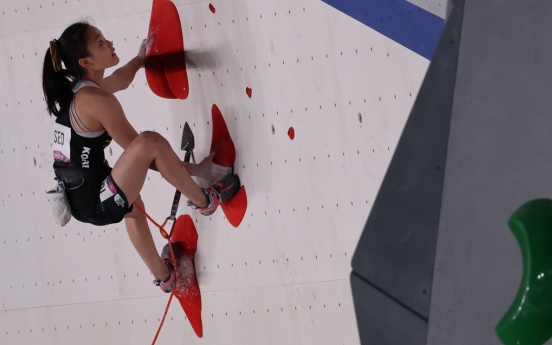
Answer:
(102, 52)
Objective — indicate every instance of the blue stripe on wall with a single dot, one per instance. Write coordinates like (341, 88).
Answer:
(401, 21)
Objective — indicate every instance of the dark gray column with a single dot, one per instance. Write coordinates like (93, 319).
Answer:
(393, 263)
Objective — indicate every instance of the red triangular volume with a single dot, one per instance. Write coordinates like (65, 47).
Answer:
(225, 155)
(235, 207)
(165, 65)
(221, 144)
(184, 239)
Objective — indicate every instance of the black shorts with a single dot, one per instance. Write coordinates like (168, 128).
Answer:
(93, 195)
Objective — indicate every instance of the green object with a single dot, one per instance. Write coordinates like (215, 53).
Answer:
(529, 319)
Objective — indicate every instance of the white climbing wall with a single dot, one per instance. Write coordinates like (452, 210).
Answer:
(437, 7)
(282, 277)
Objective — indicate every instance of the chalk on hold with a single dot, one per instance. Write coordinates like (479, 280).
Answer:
(291, 133)
(212, 8)
(187, 291)
(249, 92)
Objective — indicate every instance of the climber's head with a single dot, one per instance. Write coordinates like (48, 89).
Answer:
(101, 53)
(83, 50)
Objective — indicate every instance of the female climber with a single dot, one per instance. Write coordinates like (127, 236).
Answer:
(88, 117)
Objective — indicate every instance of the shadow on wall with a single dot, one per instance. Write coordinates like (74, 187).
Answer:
(200, 59)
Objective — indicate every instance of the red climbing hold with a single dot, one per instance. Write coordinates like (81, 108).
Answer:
(221, 144)
(184, 239)
(249, 92)
(235, 207)
(165, 65)
(212, 8)
(291, 133)
(225, 155)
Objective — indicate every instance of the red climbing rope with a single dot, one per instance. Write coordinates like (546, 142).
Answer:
(167, 237)
(161, 229)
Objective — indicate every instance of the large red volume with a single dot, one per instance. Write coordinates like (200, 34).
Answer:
(225, 155)
(221, 143)
(184, 239)
(165, 64)
(155, 72)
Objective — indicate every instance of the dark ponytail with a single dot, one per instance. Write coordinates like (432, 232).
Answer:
(57, 86)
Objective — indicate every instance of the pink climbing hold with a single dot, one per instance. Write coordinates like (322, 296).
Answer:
(212, 8)
(291, 133)
(249, 92)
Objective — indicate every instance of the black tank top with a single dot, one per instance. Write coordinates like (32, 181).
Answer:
(79, 150)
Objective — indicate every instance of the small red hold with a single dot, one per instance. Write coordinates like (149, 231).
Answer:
(212, 8)
(291, 133)
(249, 92)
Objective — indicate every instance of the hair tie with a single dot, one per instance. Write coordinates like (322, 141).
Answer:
(56, 60)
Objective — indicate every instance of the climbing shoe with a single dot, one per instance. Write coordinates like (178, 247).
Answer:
(218, 192)
(168, 284)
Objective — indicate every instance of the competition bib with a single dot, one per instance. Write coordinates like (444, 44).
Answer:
(62, 139)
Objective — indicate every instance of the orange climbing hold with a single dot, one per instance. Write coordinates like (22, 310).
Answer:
(212, 8)
(225, 155)
(165, 66)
